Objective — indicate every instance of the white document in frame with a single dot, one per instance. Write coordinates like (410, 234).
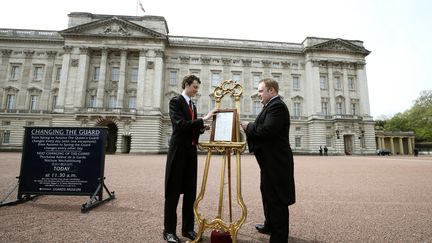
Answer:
(223, 126)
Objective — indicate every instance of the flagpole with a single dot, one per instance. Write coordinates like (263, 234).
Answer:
(136, 9)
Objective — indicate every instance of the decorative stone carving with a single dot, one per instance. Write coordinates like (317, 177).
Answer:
(84, 50)
(246, 62)
(266, 63)
(205, 60)
(74, 62)
(150, 65)
(29, 53)
(184, 59)
(226, 61)
(51, 54)
(11, 89)
(116, 29)
(159, 53)
(6, 52)
(67, 49)
(286, 64)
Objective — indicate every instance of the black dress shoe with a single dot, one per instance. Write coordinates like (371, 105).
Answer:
(171, 238)
(263, 229)
(190, 234)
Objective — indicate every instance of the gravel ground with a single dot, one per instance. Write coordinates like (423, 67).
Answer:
(339, 199)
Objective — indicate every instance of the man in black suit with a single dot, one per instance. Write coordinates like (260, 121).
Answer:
(268, 139)
(181, 165)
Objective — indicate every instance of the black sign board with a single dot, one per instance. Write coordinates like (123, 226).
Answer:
(62, 160)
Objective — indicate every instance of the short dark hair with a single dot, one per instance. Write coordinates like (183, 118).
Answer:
(189, 80)
(270, 83)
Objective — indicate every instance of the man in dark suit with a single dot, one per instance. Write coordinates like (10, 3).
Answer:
(181, 165)
(268, 139)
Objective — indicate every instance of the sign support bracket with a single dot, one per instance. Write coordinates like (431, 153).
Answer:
(96, 199)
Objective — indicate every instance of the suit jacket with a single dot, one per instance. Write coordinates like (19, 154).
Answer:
(268, 138)
(181, 165)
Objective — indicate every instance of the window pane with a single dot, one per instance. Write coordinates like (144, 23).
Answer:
(323, 82)
(38, 72)
(215, 79)
(173, 77)
(112, 101)
(132, 102)
(33, 102)
(115, 74)
(134, 75)
(256, 78)
(58, 74)
(298, 142)
(296, 83)
(257, 107)
(54, 101)
(6, 137)
(10, 102)
(96, 72)
(14, 74)
(92, 102)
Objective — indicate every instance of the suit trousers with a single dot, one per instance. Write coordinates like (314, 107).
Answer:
(181, 185)
(276, 213)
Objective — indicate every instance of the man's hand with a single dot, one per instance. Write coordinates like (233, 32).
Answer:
(209, 115)
(243, 125)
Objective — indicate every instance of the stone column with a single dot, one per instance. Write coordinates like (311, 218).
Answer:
(392, 145)
(410, 147)
(63, 79)
(363, 89)
(4, 75)
(49, 79)
(379, 142)
(141, 80)
(332, 101)
(102, 78)
(312, 88)
(401, 149)
(346, 90)
(157, 84)
(122, 79)
(81, 82)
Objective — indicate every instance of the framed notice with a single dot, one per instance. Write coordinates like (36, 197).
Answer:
(224, 126)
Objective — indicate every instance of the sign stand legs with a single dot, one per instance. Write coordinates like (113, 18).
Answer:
(96, 199)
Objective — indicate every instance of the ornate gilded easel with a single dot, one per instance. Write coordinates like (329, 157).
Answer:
(235, 146)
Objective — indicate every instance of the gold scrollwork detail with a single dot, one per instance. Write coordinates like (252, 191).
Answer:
(228, 87)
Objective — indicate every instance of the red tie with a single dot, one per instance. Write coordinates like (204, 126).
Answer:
(191, 111)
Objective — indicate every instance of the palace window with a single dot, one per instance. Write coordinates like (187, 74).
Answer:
(10, 101)
(54, 101)
(298, 142)
(37, 73)
(132, 102)
(351, 83)
(353, 109)
(96, 72)
(34, 102)
(339, 108)
(112, 102)
(92, 101)
(6, 137)
(215, 79)
(296, 83)
(15, 72)
(338, 82)
(297, 109)
(58, 74)
(256, 77)
(115, 74)
(173, 77)
(236, 77)
(257, 107)
(324, 108)
(134, 75)
(323, 82)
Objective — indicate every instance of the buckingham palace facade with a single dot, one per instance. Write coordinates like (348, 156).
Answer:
(121, 71)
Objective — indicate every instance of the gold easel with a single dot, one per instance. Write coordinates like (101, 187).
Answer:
(236, 147)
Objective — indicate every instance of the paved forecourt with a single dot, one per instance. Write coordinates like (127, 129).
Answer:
(339, 199)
